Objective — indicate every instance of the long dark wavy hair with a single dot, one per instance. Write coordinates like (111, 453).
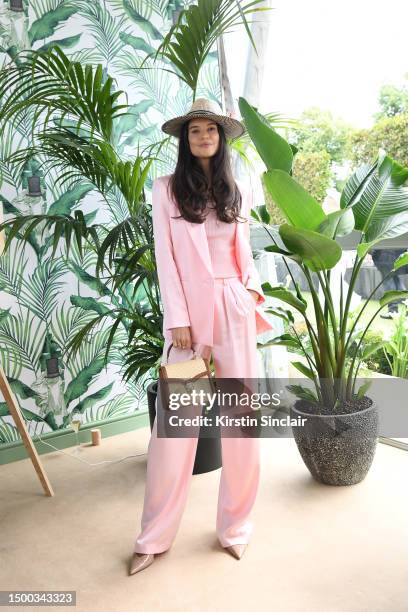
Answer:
(190, 188)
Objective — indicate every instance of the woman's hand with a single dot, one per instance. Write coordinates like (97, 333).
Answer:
(181, 337)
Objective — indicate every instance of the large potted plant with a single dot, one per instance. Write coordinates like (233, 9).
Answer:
(339, 438)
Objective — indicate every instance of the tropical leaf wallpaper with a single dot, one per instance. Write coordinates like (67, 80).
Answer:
(44, 301)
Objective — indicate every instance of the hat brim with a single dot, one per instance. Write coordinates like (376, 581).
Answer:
(232, 127)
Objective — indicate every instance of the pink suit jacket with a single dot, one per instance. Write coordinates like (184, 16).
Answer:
(184, 266)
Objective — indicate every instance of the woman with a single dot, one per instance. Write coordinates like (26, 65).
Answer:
(211, 295)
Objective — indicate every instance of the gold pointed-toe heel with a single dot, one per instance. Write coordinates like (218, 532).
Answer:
(237, 550)
(139, 562)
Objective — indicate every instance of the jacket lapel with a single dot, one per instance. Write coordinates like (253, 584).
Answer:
(198, 237)
(199, 241)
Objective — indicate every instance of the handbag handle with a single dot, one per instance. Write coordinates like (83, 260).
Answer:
(168, 351)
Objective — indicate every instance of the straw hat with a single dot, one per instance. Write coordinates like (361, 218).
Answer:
(209, 110)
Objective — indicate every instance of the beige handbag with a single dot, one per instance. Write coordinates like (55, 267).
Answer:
(189, 374)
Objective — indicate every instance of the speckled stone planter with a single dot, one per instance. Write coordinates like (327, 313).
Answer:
(338, 450)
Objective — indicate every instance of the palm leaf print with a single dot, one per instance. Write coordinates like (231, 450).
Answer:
(65, 43)
(10, 359)
(24, 335)
(40, 292)
(117, 406)
(45, 26)
(105, 27)
(66, 322)
(142, 22)
(8, 432)
(86, 366)
(93, 399)
(41, 7)
(11, 271)
(141, 7)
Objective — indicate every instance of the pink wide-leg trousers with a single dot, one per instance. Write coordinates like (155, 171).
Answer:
(170, 460)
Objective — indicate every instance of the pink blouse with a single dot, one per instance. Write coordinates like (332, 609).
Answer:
(221, 244)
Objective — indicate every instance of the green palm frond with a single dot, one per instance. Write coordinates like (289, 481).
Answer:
(140, 134)
(48, 24)
(91, 399)
(118, 208)
(378, 195)
(142, 358)
(143, 23)
(133, 384)
(134, 268)
(189, 41)
(63, 225)
(75, 158)
(56, 87)
(88, 258)
(140, 325)
(72, 196)
(178, 104)
(121, 239)
(64, 196)
(128, 177)
(138, 360)
(241, 151)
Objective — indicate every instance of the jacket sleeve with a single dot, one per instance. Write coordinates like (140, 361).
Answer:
(174, 302)
(254, 281)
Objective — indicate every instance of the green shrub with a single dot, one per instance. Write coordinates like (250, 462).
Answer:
(390, 133)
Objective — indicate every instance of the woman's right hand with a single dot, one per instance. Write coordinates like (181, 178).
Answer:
(181, 337)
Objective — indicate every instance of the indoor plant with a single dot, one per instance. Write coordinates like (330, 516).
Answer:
(339, 440)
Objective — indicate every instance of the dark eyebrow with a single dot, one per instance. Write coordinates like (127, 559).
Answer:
(196, 125)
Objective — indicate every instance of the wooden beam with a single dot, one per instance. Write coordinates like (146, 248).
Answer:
(15, 412)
